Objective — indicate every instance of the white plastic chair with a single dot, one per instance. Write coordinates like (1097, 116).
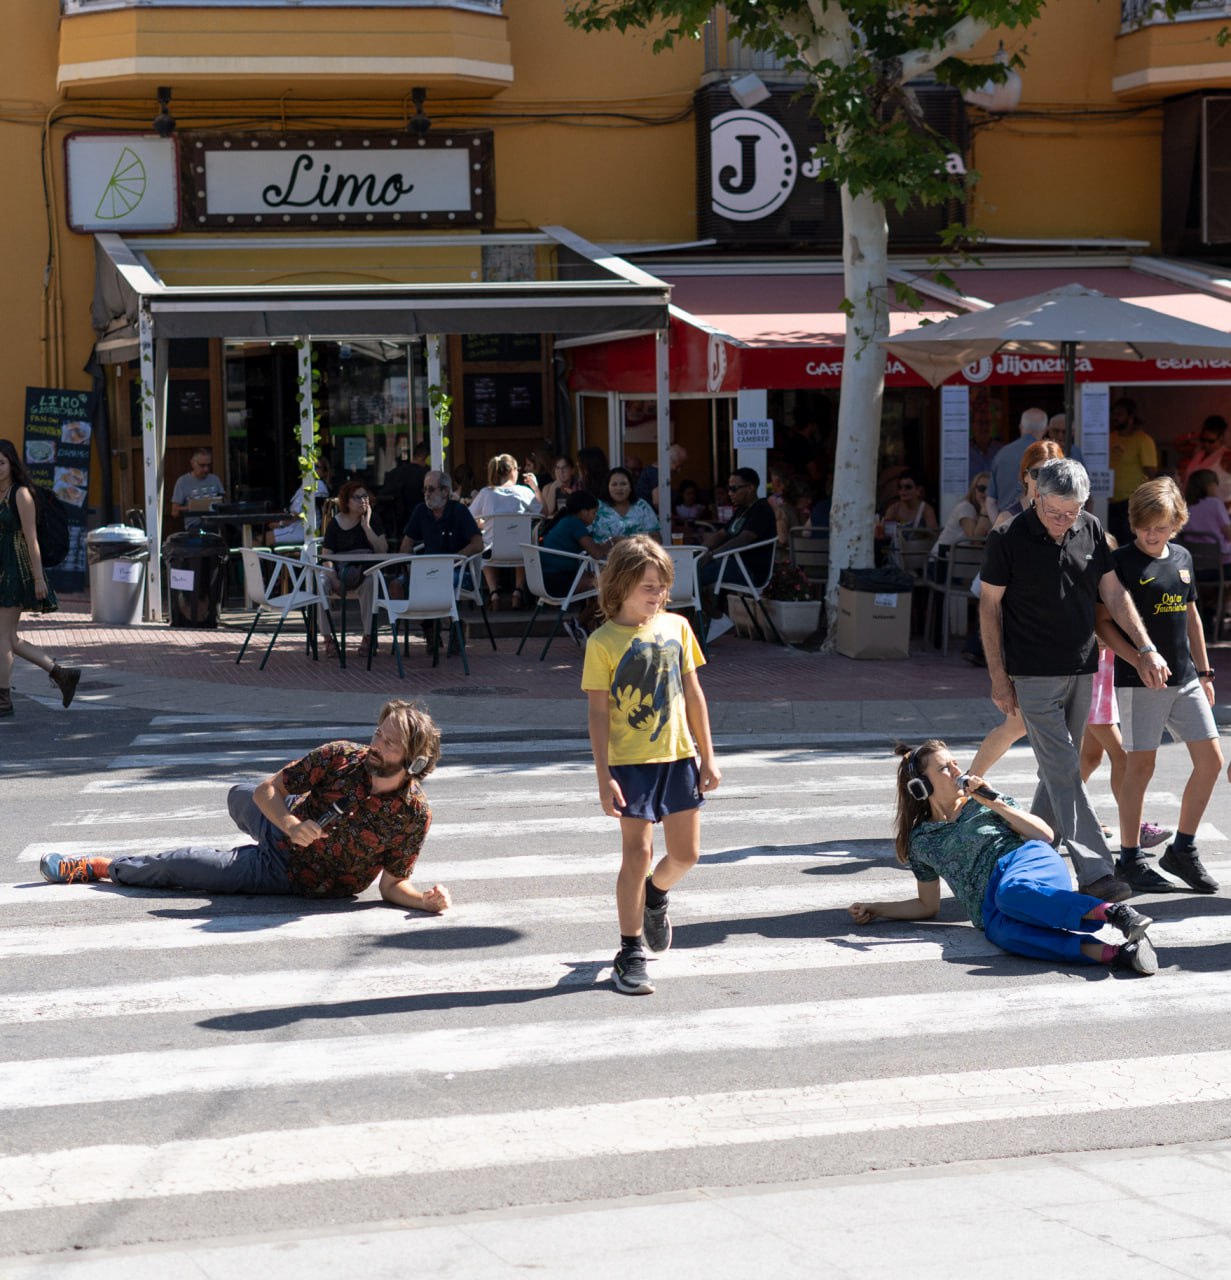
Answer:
(304, 591)
(533, 560)
(470, 589)
(735, 577)
(430, 597)
(686, 587)
(508, 534)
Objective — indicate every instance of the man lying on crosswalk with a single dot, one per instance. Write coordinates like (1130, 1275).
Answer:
(1002, 868)
(323, 826)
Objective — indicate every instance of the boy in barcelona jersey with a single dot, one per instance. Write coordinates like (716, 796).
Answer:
(1158, 574)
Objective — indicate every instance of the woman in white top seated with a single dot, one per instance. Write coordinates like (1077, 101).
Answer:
(504, 496)
(292, 534)
(967, 520)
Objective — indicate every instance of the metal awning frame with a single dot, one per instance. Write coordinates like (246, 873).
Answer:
(621, 297)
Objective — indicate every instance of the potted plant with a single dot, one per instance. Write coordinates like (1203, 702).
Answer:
(789, 601)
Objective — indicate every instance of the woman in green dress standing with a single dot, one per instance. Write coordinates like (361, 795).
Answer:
(22, 583)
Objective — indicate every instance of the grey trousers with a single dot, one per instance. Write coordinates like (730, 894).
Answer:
(247, 868)
(1055, 709)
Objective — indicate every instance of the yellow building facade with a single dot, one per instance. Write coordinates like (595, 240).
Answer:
(591, 133)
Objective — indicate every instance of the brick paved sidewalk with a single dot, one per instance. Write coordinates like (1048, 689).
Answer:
(739, 670)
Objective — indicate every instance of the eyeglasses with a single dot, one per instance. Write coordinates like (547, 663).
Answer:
(737, 486)
(434, 488)
(980, 488)
(1058, 516)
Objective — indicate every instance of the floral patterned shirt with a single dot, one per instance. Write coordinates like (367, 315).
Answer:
(375, 832)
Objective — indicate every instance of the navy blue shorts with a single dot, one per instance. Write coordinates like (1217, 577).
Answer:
(651, 791)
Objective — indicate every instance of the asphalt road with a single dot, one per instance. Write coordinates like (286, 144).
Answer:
(180, 1068)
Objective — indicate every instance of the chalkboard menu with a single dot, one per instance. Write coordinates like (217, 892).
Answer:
(188, 408)
(59, 429)
(501, 348)
(503, 399)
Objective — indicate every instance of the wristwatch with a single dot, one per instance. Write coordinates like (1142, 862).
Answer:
(1146, 648)
(1205, 675)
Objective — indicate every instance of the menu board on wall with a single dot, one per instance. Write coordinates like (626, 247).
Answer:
(503, 399)
(58, 431)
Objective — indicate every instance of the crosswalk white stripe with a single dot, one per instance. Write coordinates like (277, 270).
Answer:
(99, 1078)
(437, 1144)
(408, 979)
(808, 818)
(368, 917)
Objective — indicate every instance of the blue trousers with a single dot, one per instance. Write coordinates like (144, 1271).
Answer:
(247, 868)
(1030, 909)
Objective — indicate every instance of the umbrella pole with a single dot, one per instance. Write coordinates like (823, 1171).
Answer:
(1068, 353)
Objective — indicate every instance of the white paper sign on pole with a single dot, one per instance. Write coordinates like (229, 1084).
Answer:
(1101, 482)
(753, 433)
(1095, 419)
(954, 445)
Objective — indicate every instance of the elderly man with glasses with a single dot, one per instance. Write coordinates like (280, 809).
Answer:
(1043, 573)
(754, 520)
(442, 524)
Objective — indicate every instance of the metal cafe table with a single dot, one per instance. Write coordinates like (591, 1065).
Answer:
(339, 559)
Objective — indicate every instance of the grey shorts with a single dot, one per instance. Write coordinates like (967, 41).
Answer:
(1183, 710)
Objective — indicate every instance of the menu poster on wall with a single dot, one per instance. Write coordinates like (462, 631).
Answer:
(955, 440)
(59, 427)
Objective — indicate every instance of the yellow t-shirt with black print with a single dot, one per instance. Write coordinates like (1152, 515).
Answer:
(642, 670)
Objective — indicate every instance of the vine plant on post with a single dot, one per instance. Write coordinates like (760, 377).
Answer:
(859, 58)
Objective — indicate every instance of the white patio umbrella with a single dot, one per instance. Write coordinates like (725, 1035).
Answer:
(1056, 323)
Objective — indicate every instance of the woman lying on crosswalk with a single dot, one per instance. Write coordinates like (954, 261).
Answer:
(1001, 867)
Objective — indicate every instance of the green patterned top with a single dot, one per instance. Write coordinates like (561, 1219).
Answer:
(963, 853)
(16, 574)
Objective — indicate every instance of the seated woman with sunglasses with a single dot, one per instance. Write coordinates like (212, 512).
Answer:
(1000, 865)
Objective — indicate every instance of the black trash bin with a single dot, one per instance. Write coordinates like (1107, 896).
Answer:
(196, 564)
(874, 613)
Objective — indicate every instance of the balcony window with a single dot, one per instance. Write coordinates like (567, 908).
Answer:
(1144, 13)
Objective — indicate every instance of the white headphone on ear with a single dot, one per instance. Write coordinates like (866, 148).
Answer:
(918, 787)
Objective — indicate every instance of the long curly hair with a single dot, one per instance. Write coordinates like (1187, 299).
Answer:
(911, 812)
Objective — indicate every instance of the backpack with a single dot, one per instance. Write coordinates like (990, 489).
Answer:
(51, 522)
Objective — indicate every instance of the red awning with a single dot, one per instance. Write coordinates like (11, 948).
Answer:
(786, 332)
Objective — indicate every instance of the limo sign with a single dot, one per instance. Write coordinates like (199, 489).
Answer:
(339, 180)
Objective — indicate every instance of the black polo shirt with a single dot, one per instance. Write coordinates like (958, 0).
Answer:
(1051, 588)
(445, 536)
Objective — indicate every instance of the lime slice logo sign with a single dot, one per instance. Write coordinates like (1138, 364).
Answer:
(124, 188)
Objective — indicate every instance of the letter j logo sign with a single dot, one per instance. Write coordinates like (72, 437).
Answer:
(753, 165)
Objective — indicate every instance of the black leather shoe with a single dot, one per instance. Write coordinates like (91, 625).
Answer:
(1107, 889)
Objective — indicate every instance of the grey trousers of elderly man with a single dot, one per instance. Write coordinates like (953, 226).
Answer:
(1055, 709)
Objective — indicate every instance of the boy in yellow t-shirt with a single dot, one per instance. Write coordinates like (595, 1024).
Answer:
(646, 709)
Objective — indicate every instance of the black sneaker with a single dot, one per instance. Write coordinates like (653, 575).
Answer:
(629, 976)
(1142, 876)
(656, 927)
(1185, 865)
(1138, 956)
(1132, 924)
